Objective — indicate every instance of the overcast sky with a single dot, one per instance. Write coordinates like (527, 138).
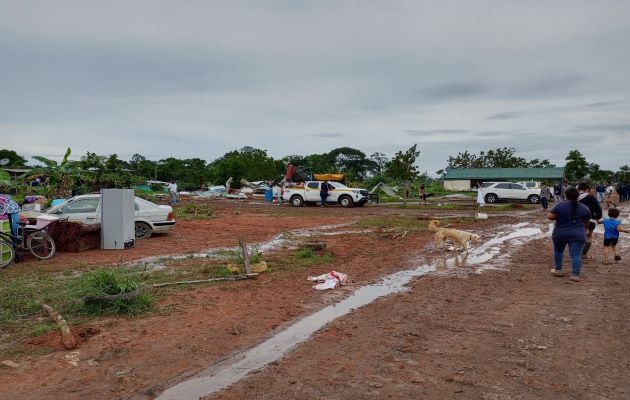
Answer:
(199, 78)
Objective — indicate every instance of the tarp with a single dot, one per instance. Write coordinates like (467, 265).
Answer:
(387, 189)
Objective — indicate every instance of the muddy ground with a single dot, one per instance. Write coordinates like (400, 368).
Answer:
(502, 328)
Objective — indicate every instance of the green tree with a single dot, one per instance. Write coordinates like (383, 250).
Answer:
(576, 167)
(495, 158)
(380, 161)
(246, 163)
(402, 166)
(15, 160)
(144, 168)
(351, 162)
(623, 175)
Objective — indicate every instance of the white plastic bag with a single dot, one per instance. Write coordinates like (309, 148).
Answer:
(329, 280)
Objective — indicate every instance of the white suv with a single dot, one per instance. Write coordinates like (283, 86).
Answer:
(497, 191)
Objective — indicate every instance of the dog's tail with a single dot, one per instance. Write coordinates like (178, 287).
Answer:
(434, 225)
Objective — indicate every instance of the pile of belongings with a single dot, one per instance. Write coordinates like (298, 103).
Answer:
(10, 210)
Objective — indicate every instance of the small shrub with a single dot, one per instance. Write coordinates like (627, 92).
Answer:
(40, 329)
(304, 253)
(112, 282)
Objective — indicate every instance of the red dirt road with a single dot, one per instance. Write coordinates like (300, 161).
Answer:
(513, 332)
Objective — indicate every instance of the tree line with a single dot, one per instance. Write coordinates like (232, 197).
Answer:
(93, 171)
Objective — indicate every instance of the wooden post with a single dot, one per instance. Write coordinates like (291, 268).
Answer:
(241, 242)
(67, 338)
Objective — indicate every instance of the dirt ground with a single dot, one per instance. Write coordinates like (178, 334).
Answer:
(512, 331)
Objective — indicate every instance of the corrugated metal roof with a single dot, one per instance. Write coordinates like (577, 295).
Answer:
(504, 173)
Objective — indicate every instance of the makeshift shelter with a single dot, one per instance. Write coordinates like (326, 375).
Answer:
(467, 178)
(391, 191)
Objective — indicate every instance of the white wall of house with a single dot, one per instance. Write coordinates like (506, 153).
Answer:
(457, 185)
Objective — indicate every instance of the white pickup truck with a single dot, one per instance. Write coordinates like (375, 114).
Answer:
(337, 193)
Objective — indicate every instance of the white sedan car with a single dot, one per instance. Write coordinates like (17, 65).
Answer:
(86, 208)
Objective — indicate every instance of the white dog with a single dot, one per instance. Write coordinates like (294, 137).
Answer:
(460, 237)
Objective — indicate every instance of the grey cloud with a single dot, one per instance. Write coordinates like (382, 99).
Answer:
(505, 115)
(330, 135)
(604, 127)
(414, 132)
(603, 104)
(452, 90)
(550, 85)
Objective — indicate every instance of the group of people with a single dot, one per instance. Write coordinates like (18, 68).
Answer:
(575, 220)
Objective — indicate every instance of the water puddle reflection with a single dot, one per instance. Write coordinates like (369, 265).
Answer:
(227, 372)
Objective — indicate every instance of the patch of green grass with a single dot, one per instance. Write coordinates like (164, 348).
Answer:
(236, 256)
(193, 211)
(304, 253)
(111, 282)
(40, 329)
(298, 260)
(397, 223)
(221, 272)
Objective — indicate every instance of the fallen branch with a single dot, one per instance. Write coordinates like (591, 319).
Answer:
(67, 338)
(225, 278)
(108, 298)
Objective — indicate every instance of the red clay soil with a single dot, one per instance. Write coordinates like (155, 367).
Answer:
(512, 333)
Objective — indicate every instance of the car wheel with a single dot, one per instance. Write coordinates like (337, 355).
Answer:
(143, 230)
(296, 201)
(491, 198)
(533, 199)
(345, 201)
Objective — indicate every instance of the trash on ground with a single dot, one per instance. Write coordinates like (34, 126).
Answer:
(329, 280)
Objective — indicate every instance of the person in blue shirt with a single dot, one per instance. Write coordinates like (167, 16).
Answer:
(571, 221)
(612, 227)
(601, 191)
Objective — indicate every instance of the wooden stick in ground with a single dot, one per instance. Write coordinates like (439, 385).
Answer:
(241, 242)
(67, 338)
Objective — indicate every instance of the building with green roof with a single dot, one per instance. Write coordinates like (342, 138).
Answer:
(466, 178)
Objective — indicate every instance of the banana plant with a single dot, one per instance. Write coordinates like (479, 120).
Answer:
(61, 177)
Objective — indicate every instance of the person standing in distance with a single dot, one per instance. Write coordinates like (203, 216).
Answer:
(422, 194)
(172, 191)
(323, 193)
(545, 193)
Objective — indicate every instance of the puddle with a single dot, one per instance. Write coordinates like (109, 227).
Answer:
(230, 371)
(281, 240)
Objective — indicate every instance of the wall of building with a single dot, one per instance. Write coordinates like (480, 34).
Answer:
(457, 185)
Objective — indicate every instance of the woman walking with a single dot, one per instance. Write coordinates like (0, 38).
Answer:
(572, 220)
(545, 193)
